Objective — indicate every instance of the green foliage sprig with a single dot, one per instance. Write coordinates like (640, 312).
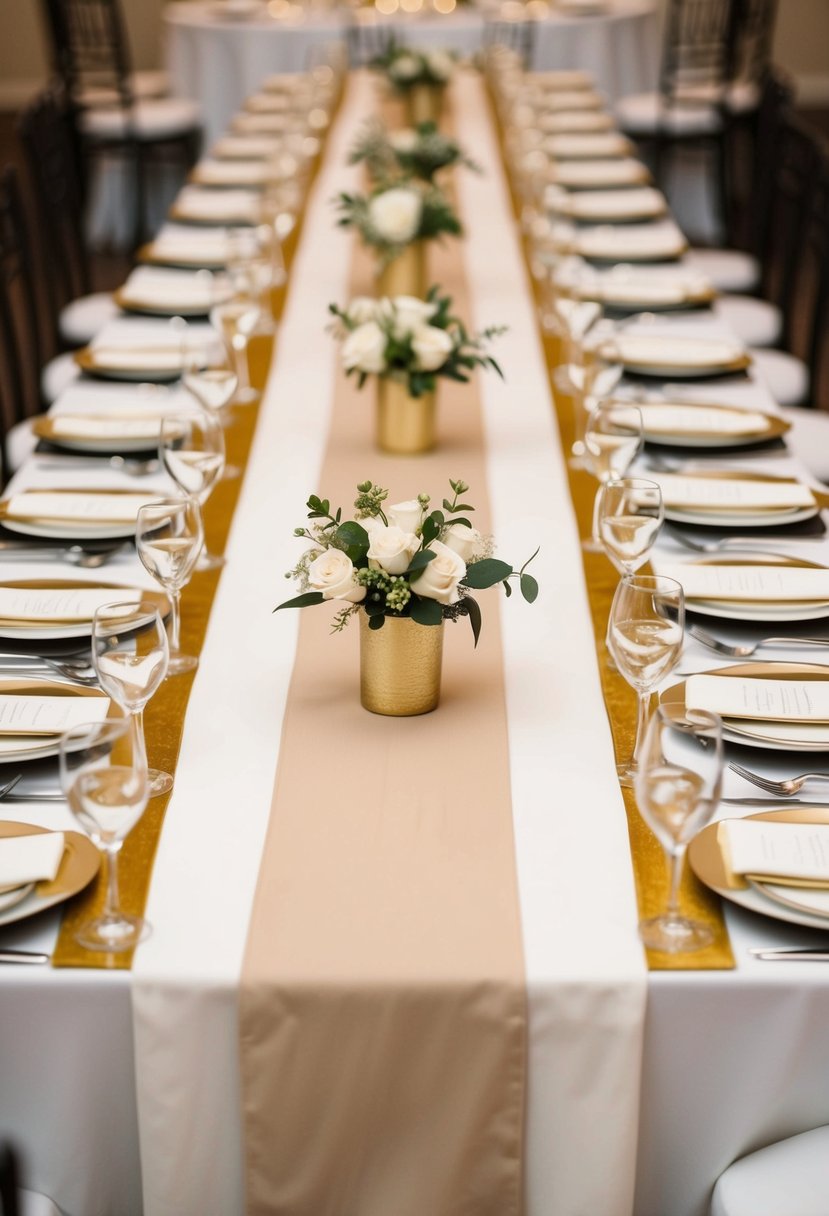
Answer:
(419, 152)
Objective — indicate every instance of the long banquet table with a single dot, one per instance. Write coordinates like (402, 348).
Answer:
(122, 1088)
(219, 60)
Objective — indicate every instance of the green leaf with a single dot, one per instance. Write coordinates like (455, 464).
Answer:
(374, 607)
(473, 611)
(529, 588)
(376, 622)
(507, 589)
(426, 612)
(420, 561)
(352, 538)
(302, 601)
(486, 573)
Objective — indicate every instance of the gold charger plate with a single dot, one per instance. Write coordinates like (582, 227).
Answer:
(775, 427)
(731, 356)
(43, 628)
(22, 686)
(149, 255)
(710, 864)
(79, 865)
(674, 700)
(156, 308)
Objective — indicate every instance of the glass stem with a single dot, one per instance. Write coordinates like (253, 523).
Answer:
(240, 359)
(677, 858)
(595, 525)
(175, 621)
(112, 905)
(641, 725)
(137, 719)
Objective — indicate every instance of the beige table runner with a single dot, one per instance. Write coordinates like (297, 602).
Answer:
(383, 1017)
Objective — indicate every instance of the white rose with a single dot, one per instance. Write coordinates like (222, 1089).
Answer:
(463, 540)
(432, 347)
(406, 515)
(411, 314)
(405, 67)
(405, 140)
(395, 215)
(365, 349)
(439, 581)
(392, 549)
(441, 64)
(332, 573)
(362, 309)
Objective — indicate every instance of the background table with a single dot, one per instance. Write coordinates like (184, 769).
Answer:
(219, 62)
(731, 1060)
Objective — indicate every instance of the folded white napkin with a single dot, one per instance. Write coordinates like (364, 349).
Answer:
(97, 401)
(751, 584)
(573, 121)
(591, 145)
(644, 348)
(587, 205)
(232, 172)
(277, 122)
(138, 343)
(218, 205)
(77, 507)
(748, 698)
(661, 239)
(583, 174)
(700, 420)
(207, 246)
(25, 859)
(152, 285)
(776, 850)
(246, 147)
(726, 494)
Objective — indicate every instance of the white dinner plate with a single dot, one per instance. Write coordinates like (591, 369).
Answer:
(589, 145)
(740, 610)
(749, 426)
(252, 174)
(653, 242)
(660, 355)
(608, 206)
(759, 734)
(35, 631)
(598, 174)
(61, 528)
(99, 434)
(78, 866)
(711, 868)
(8, 899)
(575, 122)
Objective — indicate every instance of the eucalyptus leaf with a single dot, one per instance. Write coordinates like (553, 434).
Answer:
(420, 561)
(486, 573)
(426, 612)
(473, 611)
(376, 622)
(529, 588)
(302, 601)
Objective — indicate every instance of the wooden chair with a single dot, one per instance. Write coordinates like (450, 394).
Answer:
(91, 57)
(75, 313)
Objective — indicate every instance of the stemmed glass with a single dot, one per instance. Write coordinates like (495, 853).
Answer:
(130, 655)
(169, 535)
(107, 790)
(192, 450)
(630, 514)
(213, 389)
(677, 789)
(235, 321)
(613, 439)
(645, 634)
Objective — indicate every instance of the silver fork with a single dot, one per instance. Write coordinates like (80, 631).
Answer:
(783, 789)
(747, 544)
(78, 673)
(133, 466)
(744, 650)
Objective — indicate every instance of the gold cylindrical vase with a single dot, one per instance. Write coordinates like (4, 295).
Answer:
(423, 103)
(405, 424)
(400, 666)
(405, 275)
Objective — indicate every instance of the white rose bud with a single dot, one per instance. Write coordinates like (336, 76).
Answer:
(410, 314)
(405, 140)
(463, 540)
(441, 65)
(365, 349)
(432, 347)
(392, 549)
(332, 573)
(362, 309)
(395, 215)
(406, 515)
(405, 67)
(439, 581)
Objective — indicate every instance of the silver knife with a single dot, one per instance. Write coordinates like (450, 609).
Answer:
(36, 796)
(23, 956)
(771, 955)
(780, 803)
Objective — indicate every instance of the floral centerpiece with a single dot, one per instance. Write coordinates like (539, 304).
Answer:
(395, 220)
(408, 343)
(404, 570)
(418, 152)
(420, 76)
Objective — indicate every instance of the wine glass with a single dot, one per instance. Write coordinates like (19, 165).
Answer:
(677, 789)
(130, 655)
(630, 514)
(647, 619)
(169, 535)
(107, 790)
(192, 449)
(613, 439)
(235, 321)
(251, 268)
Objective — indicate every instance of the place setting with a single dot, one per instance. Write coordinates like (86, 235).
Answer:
(166, 292)
(143, 349)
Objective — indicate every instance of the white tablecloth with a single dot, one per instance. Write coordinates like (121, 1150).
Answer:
(109, 1080)
(219, 62)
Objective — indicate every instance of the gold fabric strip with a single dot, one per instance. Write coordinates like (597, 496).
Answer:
(382, 1004)
(649, 866)
(164, 716)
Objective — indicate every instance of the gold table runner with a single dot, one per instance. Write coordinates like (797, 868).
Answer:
(383, 1003)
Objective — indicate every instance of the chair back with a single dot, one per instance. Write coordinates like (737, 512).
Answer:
(695, 55)
(46, 135)
(90, 52)
(750, 39)
(812, 292)
(518, 36)
(20, 348)
(794, 161)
